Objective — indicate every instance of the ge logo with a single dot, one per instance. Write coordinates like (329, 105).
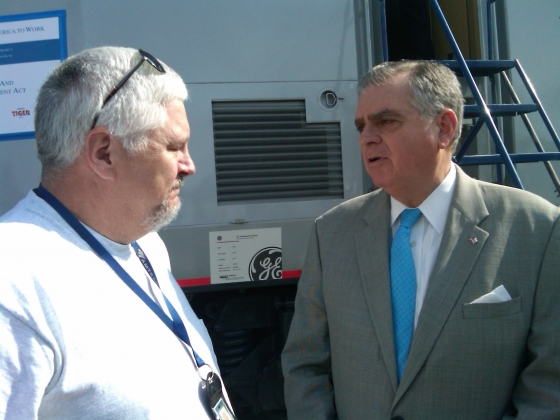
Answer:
(266, 264)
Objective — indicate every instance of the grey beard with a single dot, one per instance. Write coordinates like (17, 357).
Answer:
(164, 213)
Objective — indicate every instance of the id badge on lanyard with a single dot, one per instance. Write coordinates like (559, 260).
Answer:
(215, 397)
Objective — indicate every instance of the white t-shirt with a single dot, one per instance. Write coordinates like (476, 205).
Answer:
(75, 341)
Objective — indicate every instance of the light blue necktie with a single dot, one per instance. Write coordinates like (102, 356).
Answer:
(403, 287)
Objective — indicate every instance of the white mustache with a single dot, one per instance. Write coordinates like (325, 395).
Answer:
(177, 184)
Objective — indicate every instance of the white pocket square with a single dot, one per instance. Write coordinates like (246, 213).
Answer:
(499, 294)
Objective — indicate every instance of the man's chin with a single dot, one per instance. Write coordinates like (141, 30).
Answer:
(163, 215)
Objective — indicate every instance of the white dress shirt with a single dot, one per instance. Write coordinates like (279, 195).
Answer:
(426, 233)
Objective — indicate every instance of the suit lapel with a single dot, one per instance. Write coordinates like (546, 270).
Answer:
(456, 258)
(373, 258)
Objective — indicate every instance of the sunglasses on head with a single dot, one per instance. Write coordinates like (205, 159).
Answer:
(145, 57)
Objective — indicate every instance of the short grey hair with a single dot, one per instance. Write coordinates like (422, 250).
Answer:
(75, 90)
(434, 87)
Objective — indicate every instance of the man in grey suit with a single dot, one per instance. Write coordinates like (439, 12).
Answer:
(484, 335)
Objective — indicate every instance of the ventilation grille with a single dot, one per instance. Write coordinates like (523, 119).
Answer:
(266, 151)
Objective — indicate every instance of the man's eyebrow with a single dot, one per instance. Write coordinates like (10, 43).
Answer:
(175, 140)
(384, 114)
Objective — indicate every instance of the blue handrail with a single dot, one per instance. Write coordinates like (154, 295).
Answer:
(385, 42)
(537, 101)
(490, 28)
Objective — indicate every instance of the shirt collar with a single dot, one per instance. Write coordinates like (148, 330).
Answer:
(115, 249)
(436, 206)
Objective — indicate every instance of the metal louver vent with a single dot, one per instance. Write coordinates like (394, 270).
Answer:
(266, 151)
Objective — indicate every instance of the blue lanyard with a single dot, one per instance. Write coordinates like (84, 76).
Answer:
(176, 324)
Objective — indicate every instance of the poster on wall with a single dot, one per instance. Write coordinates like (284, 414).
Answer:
(246, 255)
(30, 46)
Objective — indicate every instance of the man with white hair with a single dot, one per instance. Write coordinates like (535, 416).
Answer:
(92, 322)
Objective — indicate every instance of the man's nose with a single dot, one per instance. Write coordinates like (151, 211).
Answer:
(186, 164)
(369, 135)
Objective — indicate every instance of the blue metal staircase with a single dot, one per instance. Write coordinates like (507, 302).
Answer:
(485, 114)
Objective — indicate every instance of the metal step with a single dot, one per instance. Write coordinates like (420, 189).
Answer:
(480, 68)
(500, 110)
(515, 158)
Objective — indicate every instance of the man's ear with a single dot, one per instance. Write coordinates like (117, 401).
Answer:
(447, 124)
(100, 152)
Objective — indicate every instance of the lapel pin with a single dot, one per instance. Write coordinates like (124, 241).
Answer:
(473, 240)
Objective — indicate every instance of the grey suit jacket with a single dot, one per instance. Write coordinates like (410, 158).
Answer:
(479, 361)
